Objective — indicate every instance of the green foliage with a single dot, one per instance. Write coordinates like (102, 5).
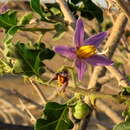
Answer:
(91, 9)
(28, 59)
(87, 8)
(10, 34)
(25, 19)
(80, 110)
(35, 5)
(126, 124)
(60, 30)
(126, 91)
(118, 64)
(128, 78)
(8, 19)
(53, 15)
(126, 113)
(123, 126)
(54, 9)
(20, 57)
(45, 14)
(55, 117)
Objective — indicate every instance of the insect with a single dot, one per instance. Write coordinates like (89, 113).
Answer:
(62, 78)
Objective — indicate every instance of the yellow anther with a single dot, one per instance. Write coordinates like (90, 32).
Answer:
(61, 80)
(86, 51)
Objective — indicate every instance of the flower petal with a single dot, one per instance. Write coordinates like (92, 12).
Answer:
(98, 60)
(81, 67)
(66, 51)
(96, 39)
(79, 33)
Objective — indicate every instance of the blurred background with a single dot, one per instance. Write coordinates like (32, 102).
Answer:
(13, 88)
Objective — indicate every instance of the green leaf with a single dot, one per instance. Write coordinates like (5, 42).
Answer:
(127, 111)
(8, 19)
(60, 30)
(35, 5)
(126, 91)
(55, 118)
(75, 1)
(123, 126)
(93, 10)
(44, 13)
(25, 19)
(29, 59)
(87, 9)
(10, 34)
(17, 67)
(128, 78)
(55, 11)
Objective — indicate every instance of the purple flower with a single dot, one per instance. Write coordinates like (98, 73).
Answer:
(85, 51)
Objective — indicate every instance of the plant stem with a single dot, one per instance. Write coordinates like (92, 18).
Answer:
(112, 43)
(67, 13)
(107, 110)
(124, 7)
(38, 90)
(43, 30)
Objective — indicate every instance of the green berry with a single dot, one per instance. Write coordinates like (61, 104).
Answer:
(81, 110)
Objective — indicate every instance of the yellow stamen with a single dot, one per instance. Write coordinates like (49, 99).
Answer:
(86, 51)
(61, 80)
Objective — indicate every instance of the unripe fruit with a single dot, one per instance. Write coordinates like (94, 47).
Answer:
(80, 110)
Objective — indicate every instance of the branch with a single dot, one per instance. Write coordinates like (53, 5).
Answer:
(124, 7)
(17, 110)
(67, 13)
(112, 43)
(32, 118)
(17, 94)
(39, 91)
(108, 111)
(43, 30)
(120, 78)
(4, 116)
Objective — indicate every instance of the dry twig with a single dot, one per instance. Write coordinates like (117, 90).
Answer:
(33, 119)
(38, 90)
(19, 95)
(108, 111)
(67, 13)
(17, 110)
(124, 7)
